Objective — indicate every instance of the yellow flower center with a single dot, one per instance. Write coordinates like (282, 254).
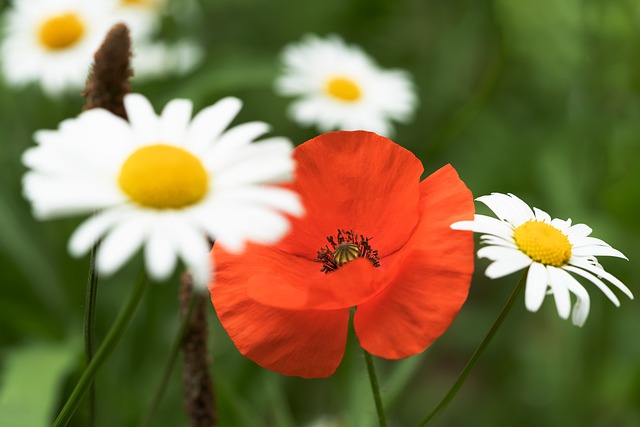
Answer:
(61, 31)
(543, 243)
(343, 89)
(162, 176)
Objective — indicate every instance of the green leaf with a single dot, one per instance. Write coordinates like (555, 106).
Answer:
(31, 379)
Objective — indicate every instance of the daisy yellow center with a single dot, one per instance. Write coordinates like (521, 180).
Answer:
(61, 31)
(162, 176)
(543, 243)
(343, 89)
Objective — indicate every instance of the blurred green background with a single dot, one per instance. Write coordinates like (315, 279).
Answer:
(539, 98)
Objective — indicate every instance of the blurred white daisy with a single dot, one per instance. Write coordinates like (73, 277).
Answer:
(550, 248)
(141, 16)
(53, 41)
(163, 182)
(339, 87)
(156, 59)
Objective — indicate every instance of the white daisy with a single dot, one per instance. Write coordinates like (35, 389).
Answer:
(163, 182)
(341, 88)
(156, 59)
(53, 41)
(550, 248)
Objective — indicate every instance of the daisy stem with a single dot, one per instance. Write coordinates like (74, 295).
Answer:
(89, 329)
(375, 388)
(169, 365)
(476, 355)
(103, 353)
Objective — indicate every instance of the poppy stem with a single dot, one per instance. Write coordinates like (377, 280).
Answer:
(476, 354)
(169, 365)
(104, 351)
(375, 388)
(89, 329)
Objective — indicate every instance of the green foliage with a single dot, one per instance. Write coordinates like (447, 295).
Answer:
(537, 98)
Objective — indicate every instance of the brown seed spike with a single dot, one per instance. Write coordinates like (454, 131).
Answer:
(199, 398)
(108, 81)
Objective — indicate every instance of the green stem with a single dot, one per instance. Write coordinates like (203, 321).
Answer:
(89, 329)
(375, 388)
(476, 355)
(103, 353)
(168, 367)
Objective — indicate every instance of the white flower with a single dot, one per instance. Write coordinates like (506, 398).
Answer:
(156, 59)
(550, 248)
(53, 42)
(341, 88)
(163, 182)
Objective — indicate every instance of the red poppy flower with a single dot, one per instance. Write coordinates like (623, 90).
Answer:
(374, 237)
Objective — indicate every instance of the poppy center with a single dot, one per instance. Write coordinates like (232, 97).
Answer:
(543, 243)
(61, 31)
(343, 89)
(344, 248)
(163, 176)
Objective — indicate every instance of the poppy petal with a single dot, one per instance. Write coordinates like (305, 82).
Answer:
(274, 279)
(432, 279)
(309, 343)
(356, 181)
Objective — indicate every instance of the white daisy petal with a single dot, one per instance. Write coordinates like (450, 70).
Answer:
(242, 134)
(586, 241)
(582, 305)
(120, 244)
(601, 273)
(160, 254)
(144, 121)
(597, 250)
(599, 283)
(561, 224)
(194, 250)
(578, 230)
(560, 292)
(267, 196)
(174, 120)
(92, 229)
(525, 210)
(580, 311)
(208, 124)
(542, 215)
(506, 266)
(497, 252)
(504, 207)
(485, 224)
(536, 287)
(497, 241)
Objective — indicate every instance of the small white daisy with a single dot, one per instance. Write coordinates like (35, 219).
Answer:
(341, 88)
(156, 59)
(550, 248)
(163, 182)
(53, 41)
